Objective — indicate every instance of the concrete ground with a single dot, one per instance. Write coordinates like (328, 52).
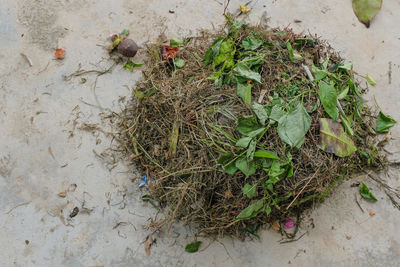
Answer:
(43, 152)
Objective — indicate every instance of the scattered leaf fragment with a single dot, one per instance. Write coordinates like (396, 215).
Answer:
(62, 194)
(366, 10)
(179, 63)
(147, 244)
(366, 193)
(334, 139)
(244, 9)
(60, 53)
(74, 212)
(176, 42)
(130, 65)
(193, 247)
(370, 80)
(276, 226)
(371, 213)
(384, 123)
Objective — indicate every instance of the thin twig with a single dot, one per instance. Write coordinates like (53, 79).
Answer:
(301, 191)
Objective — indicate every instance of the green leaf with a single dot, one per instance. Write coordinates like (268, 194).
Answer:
(247, 124)
(327, 95)
(348, 66)
(261, 113)
(268, 209)
(251, 211)
(276, 114)
(343, 93)
(290, 49)
(243, 142)
(226, 161)
(254, 61)
(365, 193)
(366, 10)
(265, 154)
(244, 92)
(130, 65)
(175, 42)
(244, 73)
(213, 51)
(276, 171)
(319, 75)
(193, 247)
(255, 132)
(384, 123)
(292, 127)
(250, 43)
(248, 168)
(249, 190)
(346, 125)
(334, 139)
(179, 63)
(226, 53)
(251, 149)
(370, 80)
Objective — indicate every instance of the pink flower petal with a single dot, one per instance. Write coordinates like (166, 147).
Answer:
(288, 224)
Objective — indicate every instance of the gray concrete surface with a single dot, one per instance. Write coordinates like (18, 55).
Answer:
(42, 151)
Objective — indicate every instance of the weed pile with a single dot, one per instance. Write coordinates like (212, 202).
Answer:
(245, 127)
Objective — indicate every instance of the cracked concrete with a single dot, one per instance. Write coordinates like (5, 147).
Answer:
(43, 152)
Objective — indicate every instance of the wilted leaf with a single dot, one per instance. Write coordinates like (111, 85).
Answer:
(249, 190)
(244, 9)
(365, 193)
(247, 125)
(248, 168)
(259, 110)
(265, 154)
(175, 42)
(250, 43)
(327, 95)
(366, 10)
(244, 73)
(244, 92)
(147, 244)
(179, 63)
(243, 142)
(343, 93)
(370, 80)
(213, 51)
(251, 211)
(193, 247)
(292, 127)
(276, 114)
(384, 123)
(334, 139)
(251, 149)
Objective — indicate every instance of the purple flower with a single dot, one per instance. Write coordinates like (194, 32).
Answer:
(288, 224)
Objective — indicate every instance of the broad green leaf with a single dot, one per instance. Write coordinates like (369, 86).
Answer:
(249, 190)
(276, 114)
(213, 51)
(370, 80)
(384, 123)
(226, 161)
(366, 10)
(193, 247)
(328, 98)
(226, 53)
(255, 132)
(244, 73)
(244, 92)
(348, 66)
(254, 61)
(251, 149)
(292, 127)
(319, 75)
(334, 139)
(247, 124)
(251, 211)
(343, 93)
(248, 168)
(175, 42)
(261, 113)
(365, 193)
(250, 43)
(179, 63)
(265, 154)
(244, 142)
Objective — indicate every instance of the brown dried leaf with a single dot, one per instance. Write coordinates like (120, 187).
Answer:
(147, 244)
(62, 194)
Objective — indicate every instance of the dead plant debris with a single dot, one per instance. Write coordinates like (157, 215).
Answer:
(255, 126)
